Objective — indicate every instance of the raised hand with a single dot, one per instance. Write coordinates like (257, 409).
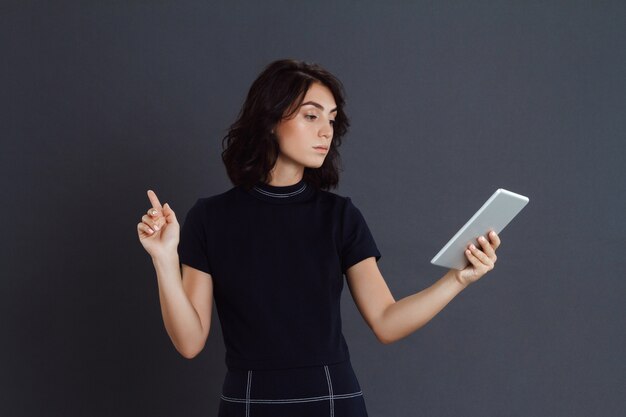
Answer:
(159, 230)
(481, 261)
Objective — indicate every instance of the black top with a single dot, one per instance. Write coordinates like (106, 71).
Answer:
(277, 256)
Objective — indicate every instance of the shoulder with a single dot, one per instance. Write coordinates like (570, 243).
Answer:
(343, 203)
(342, 207)
(332, 203)
(204, 206)
(333, 198)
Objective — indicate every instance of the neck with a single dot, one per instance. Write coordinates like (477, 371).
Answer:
(283, 175)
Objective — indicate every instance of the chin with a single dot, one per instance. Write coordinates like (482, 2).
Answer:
(315, 165)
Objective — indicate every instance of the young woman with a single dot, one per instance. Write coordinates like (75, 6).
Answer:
(272, 252)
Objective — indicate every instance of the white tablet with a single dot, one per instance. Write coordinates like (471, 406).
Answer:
(494, 215)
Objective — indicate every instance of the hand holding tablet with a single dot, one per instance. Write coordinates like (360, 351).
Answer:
(494, 215)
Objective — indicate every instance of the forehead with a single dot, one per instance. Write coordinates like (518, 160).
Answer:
(321, 94)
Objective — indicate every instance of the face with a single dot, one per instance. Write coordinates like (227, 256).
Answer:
(310, 126)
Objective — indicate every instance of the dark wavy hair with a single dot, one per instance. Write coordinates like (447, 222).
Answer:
(250, 150)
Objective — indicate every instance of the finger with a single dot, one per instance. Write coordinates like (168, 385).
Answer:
(495, 239)
(487, 248)
(153, 223)
(142, 227)
(473, 259)
(480, 255)
(154, 200)
(169, 214)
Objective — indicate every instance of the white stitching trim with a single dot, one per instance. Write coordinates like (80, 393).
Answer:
(330, 391)
(292, 400)
(248, 393)
(280, 195)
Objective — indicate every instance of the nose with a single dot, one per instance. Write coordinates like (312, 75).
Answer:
(326, 131)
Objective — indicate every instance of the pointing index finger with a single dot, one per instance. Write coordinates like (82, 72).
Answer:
(154, 200)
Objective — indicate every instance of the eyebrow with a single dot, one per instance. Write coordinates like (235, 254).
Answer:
(319, 106)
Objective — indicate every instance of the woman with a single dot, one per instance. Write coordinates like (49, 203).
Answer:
(272, 252)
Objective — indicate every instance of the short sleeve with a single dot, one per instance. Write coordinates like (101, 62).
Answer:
(357, 240)
(192, 246)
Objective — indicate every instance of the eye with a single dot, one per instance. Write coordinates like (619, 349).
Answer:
(310, 115)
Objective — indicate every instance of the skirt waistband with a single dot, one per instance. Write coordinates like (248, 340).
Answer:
(296, 385)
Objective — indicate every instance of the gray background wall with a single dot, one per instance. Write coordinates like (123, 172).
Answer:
(101, 101)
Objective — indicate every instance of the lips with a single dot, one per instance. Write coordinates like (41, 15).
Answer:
(320, 147)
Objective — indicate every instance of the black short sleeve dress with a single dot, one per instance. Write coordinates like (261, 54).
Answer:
(277, 256)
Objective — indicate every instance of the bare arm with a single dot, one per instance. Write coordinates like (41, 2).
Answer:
(185, 304)
(392, 320)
